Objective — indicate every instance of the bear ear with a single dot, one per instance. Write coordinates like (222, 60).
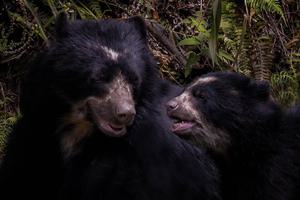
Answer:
(139, 24)
(260, 89)
(61, 25)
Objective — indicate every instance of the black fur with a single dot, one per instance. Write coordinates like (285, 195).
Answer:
(149, 163)
(262, 159)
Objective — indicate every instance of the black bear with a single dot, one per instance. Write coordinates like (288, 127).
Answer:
(252, 139)
(94, 126)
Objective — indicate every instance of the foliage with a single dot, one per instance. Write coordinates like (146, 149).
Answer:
(34, 19)
(284, 85)
(8, 113)
(254, 38)
(213, 39)
(272, 6)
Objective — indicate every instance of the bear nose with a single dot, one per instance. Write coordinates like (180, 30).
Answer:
(125, 113)
(172, 105)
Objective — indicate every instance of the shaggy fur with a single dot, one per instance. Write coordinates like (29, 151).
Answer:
(255, 143)
(56, 150)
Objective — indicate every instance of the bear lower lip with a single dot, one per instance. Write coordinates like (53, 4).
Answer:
(116, 127)
(182, 127)
(112, 130)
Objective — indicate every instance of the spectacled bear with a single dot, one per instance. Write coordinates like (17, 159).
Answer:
(94, 126)
(254, 141)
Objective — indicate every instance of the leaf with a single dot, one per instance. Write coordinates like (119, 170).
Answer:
(272, 6)
(53, 8)
(12, 119)
(199, 24)
(189, 41)
(223, 55)
(192, 59)
(40, 29)
(20, 19)
(212, 42)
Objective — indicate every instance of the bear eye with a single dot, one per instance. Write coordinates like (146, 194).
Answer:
(199, 94)
(98, 81)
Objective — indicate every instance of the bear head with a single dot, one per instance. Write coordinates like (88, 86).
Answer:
(222, 109)
(90, 79)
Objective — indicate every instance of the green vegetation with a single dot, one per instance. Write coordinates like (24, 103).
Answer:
(259, 38)
(8, 112)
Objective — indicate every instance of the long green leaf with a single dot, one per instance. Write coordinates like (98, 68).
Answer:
(216, 19)
(41, 32)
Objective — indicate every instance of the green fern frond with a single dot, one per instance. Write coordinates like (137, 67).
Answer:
(96, 8)
(285, 87)
(87, 11)
(262, 57)
(243, 52)
(272, 6)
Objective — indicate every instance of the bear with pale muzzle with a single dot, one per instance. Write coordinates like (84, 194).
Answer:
(254, 142)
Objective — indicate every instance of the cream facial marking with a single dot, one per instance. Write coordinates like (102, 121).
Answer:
(118, 87)
(203, 132)
(115, 111)
(210, 136)
(110, 53)
(81, 129)
(187, 105)
(204, 80)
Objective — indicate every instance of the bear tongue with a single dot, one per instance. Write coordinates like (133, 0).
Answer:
(181, 126)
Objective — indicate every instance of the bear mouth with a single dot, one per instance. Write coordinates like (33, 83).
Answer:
(111, 129)
(107, 127)
(182, 127)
